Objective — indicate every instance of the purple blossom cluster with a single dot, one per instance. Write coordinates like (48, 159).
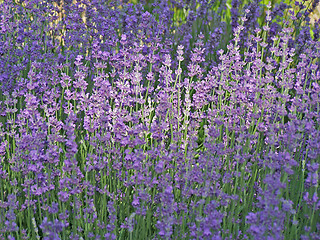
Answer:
(135, 121)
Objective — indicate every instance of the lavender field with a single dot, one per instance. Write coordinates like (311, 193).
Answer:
(159, 120)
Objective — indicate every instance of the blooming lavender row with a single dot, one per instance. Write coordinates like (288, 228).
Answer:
(115, 124)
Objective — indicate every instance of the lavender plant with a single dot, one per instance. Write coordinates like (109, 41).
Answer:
(120, 122)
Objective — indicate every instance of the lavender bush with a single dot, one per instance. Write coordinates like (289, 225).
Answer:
(159, 120)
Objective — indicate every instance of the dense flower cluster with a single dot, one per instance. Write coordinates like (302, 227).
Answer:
(181, 120)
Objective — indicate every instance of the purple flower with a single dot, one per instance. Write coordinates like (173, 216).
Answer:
(159, 167)
(54, 208)
(63, 196)
(135, 202)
